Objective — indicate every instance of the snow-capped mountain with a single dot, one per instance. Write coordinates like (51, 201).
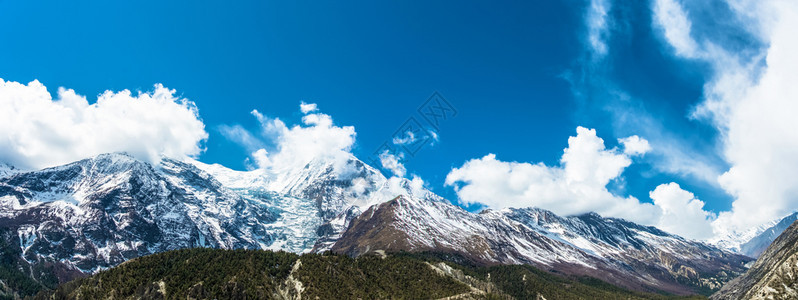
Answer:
(755, 246)
(7, 170)
(318, 197)
(624, 253)
(753, 241)
(99, 212)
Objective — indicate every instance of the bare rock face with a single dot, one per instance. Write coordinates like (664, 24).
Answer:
(621, 252)
(773, 276)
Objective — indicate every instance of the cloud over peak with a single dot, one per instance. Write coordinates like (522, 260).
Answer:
(279, 148)
(39, 131)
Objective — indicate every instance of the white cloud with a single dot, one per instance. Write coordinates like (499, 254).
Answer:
(752, 104)
(577, 186)
(391, 162)
(316, 138)
(634, 145)
(308, 107)
(673, 20)
(682, 213)
(758, 119)
(38, 131)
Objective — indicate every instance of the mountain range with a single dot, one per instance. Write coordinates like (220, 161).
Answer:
(96, 213)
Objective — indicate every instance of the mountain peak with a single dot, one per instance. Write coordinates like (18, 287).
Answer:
(590, 215)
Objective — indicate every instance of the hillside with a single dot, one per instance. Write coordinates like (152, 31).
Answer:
(254, 274)
(773, 275)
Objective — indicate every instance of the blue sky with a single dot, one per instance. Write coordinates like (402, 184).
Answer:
(522, 75)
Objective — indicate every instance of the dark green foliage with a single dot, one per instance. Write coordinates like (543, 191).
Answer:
(526, 282)
(202, 273)
(332, 276)
(254, 274)
(11, 270)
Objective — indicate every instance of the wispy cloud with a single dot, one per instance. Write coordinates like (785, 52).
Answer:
(749, 100)
(672, 19)
(597, 20)
(757, 117)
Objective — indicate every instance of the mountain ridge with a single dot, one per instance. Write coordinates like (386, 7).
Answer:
(96, 213)
(621, 251)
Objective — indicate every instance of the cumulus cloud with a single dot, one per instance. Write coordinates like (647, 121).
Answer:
(577, 186)
(39, 131)
(634, 145)
(749, 54)
(682, 213)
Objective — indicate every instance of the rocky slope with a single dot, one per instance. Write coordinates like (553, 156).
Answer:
(773, 276)
(621, 252)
